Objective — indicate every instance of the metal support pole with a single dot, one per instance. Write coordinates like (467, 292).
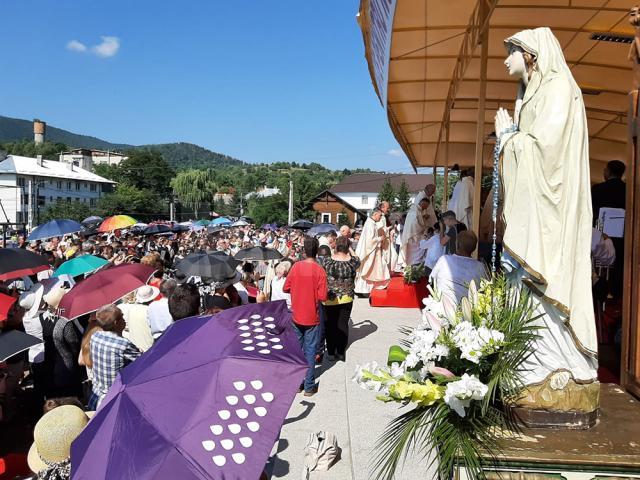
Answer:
(30, 206)
(445, 194)
(290, 216)
(482, 95)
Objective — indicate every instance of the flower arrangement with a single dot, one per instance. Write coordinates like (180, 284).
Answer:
(414, 273)
(456, 369)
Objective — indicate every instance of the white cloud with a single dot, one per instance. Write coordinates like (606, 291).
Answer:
(108, 48)
(395, 152)
(76, 46)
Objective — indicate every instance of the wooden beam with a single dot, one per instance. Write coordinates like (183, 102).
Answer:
(445, 193)
(479, 153)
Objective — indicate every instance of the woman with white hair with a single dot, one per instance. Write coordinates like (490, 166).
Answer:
(282, 270)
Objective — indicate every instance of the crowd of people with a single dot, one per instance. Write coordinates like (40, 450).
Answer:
(318, 277)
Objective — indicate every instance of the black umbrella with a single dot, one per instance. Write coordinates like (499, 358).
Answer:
(13, 342)
(177, 228)
(215, 228)
(257, 253)
(93, 221)
(17, 262)
(157, 229)
(210, 266)
(302, 224)
(321, 229)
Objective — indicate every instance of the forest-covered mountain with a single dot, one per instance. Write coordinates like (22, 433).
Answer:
(179, 155)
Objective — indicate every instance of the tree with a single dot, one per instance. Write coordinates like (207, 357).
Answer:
(128, 199)
(26, 148)
(194, 187)
(110, 172)
(146, 170)
(77, 211)
(387, 193)
(268, 209)
(344, 219)
(403, 197)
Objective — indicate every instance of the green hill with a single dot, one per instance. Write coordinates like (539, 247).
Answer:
(179, 155)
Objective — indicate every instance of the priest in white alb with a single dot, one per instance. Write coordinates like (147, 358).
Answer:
(374, 272)
(461, 201)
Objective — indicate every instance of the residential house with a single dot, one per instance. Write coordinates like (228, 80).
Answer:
(357, 194)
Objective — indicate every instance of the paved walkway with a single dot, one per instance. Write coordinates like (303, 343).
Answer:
(343, 408)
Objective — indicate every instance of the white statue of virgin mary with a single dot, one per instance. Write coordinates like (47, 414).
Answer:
(547, 211)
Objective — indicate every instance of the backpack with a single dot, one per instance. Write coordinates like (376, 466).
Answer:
(320, 452)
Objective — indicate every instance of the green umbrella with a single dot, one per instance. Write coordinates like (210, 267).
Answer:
(202, 223)
(79, 265)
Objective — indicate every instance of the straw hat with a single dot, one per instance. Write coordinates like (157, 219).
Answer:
(31, 299)
(54, 296)
(53, 435)
(146, 293)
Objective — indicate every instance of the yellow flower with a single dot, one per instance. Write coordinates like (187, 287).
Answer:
(424, 394)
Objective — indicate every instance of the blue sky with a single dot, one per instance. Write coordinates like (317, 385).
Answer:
(258, 80)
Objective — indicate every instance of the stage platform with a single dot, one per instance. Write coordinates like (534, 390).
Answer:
(610, 450)
(399, 294)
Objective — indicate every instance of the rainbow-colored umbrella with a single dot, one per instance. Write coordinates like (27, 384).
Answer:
(116, 222)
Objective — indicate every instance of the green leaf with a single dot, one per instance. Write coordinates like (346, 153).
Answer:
(396, 354)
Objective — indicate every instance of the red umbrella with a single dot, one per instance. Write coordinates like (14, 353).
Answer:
(103, 288)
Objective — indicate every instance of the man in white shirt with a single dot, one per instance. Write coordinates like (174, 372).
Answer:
(453, 273)
(158, 314)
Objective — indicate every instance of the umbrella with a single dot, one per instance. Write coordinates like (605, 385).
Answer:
(228, 382)
(178, 227)
(322, 228)
(269, 226)
(202, 223)
(16, 263)
(258, 253)
(240, 223)
(249, 220)
(156, 229)
(13, 342)
(215, 228)
(102, 288)
(220, 221)
(117, 222)
(80, 265)
(302, 224)
(54, 228)
(138, 227)
(213, 266)
(92, 221)
(6, 302)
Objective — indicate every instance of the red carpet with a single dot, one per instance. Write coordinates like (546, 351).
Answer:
(399, 294)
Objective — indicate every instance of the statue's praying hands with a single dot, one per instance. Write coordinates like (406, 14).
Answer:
(503, 122)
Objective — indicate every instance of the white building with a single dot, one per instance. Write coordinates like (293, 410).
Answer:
(48, 181)
(360, 190)
(86, 157)
(263, 192)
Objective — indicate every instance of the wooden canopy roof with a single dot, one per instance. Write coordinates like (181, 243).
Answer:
(435, 93)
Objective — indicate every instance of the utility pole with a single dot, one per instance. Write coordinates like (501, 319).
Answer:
(172, 208)
(30, 206)
(290, 217)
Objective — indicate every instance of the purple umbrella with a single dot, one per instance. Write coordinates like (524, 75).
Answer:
(205, 402)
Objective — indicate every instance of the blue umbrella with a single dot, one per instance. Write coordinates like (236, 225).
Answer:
(220, 221)
(322, 228)
(54, 228)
